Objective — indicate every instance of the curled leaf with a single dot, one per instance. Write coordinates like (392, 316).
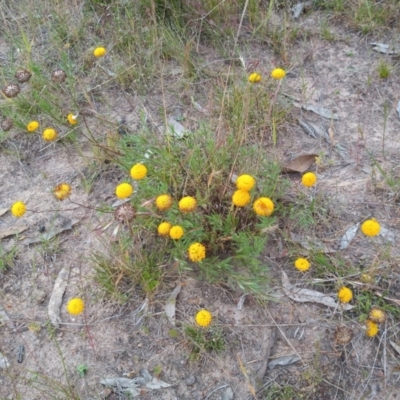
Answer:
(300, 164)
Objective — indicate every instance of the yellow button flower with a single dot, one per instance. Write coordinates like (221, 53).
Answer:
(254, 77)
(345, 294)
(164, 202)
(372, 328)
(75, 306)
(32, 126)
(245, 182)
(123, 190)
(187, 204)
(164, 228)
(263, 206)
(203, 318)
(18, 209)
(278, 73)
(377, 315)
(371, 227)
(99, 52)
(241, 198)
(309, 179)
(176, 232)
(72, 119)
(49, 134)
(302, 264)
(62, 191)
(138, 171)
(196, 252)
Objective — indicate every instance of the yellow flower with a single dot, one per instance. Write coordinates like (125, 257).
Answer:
(263, 206)
(302, 264)
(377, 315)
(62, 191)
(32, 126)
(138, 171)
(309, 179)
(75, 306)
(72, 119)
(49, 134)
(164, 202)
(187, 204)
(99, 52)
(164, 228)
(345, 294)
(254, 77)
(203, 318)
(245, 182)
(371, 227)
(278, 73)
(176, 232)
(123, 190)
(372, 328)
(197, 252)
(241, 198)
(18, 209)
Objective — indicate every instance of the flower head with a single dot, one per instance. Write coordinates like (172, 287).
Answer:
(371, 227)
(245, 182)
(372, 328)
(241, 198)
(124, 213)
(72, 119)
(62, 191)
(123, 190)
(197, 252)
(263, 207)
(345, 294)
(343, 334)
(18, 209)
(377, 315)
(99, 52)
(254, 77)
(203, 318)
(49, 134)
(164, 228)
(75, 306)
(187, 204)
(302, 264)
(164, 202)
(11, 90)
(138, 171)
(176, 232)
(32, 126)
(309, 179)
(6, 124)
(278, 73)
(58, 76)
(23, 75)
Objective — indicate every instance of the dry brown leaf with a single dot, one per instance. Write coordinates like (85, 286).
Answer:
(14, 230)
(300, 163)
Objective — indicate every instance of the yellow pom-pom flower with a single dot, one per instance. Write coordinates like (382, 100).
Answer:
(62, 191)
(254, 77)
(263, 207)
(75, 306)
(72, 119)
(203, 318)
(138, 171)
(302, 264)
(99, 52)
(245, 182)
(345, 294)
(377, 315)
(187, 204)
(164, 202)
(241, 198)
(278, 73)
(49, 134)
(176, 232)
(123, 190)
(18, 209)
(371, 227)
(32, 126)
(196, 252)
(164, 228)
(372, 328)
(309, 179)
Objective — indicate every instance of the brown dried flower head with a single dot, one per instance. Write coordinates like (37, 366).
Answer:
(58, 76)
(23, 75)
(124, 213)
(11, 90)
(343, 334)
(377, 315)
(6, 124)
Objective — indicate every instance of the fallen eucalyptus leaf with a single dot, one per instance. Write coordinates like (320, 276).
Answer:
(3, 361)
(323, 112)
(3, 315)
(156, 383)
(66, 226)
(310, 244)
(175, 129)
(170, 306)
(384, 48)
(307, 128)
(57, 295)
(14, 230)
(395, 346)
(308, 295)
(388, 234)
(122, 385)
(398, 109)
(285, 360)
(348, 237)
(300, 163)
(4, 210)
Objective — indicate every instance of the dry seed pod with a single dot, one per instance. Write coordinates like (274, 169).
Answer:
(343, 335)
(377, 315)
(6, 124)
(23, 75)
(58, 76)
(124, 213)
(11, 90)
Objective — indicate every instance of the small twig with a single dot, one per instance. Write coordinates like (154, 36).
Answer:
(221, 387)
